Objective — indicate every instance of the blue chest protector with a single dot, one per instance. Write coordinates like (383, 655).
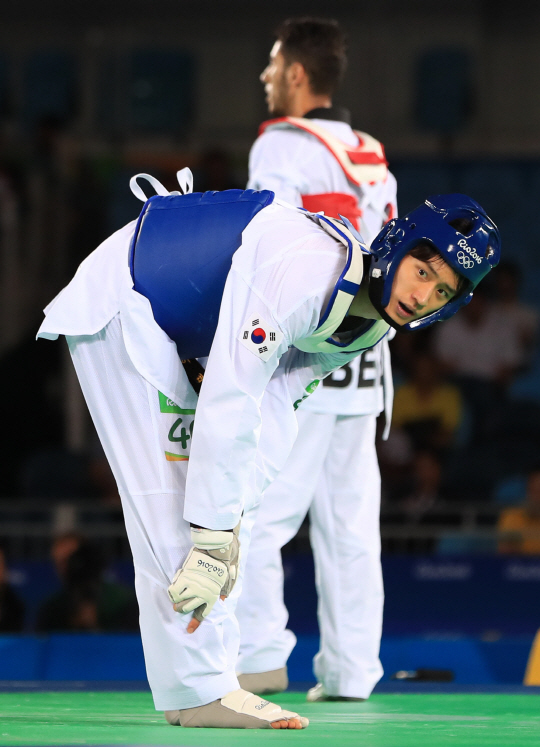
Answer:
(180, 257)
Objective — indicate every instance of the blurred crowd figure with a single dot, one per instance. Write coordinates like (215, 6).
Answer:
(215, 171)
(480, 351)
(87, 600)
(455, 430)
(519, 526)
(11, 605)
(522, 319)
(427, 407)
(427, 414)
(58, 474)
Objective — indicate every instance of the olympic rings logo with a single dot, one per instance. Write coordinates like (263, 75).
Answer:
(464, 260)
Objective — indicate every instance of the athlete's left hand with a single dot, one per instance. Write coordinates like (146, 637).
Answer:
(209, 572)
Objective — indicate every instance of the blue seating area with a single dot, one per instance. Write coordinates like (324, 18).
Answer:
(50, 85)
(161, 90)
(443, 89)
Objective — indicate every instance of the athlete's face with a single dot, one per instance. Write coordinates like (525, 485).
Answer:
(276, 86)
(419, 288)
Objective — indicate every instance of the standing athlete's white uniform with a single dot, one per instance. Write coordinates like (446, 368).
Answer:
(143, 406)
(332, 471)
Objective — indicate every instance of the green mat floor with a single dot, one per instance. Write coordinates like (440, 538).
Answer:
(384, 721)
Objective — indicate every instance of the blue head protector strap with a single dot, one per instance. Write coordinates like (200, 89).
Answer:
(472, 254)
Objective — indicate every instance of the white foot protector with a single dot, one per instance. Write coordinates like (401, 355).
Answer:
(265, 683)
(237, 710)
(318, 694)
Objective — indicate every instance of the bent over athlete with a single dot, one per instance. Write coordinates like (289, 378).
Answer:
(276, 298)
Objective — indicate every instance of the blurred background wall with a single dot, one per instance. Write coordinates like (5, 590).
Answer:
(110, 94)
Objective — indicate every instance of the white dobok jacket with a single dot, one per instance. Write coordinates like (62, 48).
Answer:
(281, 280)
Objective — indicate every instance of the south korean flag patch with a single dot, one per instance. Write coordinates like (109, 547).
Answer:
(259, 337)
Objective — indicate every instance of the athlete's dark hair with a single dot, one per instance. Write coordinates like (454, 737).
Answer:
(319, 45)
(427, 253)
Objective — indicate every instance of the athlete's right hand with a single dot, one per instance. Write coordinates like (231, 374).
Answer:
(208, 572)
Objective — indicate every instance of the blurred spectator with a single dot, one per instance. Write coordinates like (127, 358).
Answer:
(51, 169)
(87, 602)
(477, 344)
(18, 368)
(425, 493)
(11, 607)
(62, 549)
(395, 461)
(428, 409)
(215, 172)
(480, 349)
(58, 474)
(12, 310)
(519, 528)
(405, 348)
(523, 318)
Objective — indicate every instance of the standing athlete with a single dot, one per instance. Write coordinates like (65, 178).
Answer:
(234, 305)
(310, 156)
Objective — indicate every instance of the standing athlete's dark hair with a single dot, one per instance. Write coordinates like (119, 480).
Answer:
(319, 45)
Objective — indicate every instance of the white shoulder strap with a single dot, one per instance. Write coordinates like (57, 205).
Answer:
(185, 180)
(364, 163)
(342, 297)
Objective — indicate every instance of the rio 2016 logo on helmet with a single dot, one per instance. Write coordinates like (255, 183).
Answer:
(472, 252)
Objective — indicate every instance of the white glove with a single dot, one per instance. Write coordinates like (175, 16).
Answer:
(209, 571)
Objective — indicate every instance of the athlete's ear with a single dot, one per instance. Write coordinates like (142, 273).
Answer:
(296, 74)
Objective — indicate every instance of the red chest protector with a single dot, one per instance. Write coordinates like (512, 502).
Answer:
(365, 163)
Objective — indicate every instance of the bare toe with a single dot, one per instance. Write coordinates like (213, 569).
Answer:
(292, 723)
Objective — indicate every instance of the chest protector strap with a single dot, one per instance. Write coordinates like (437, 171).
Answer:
(180, 257)
(364, 163)
(348, 284)
(334, 204)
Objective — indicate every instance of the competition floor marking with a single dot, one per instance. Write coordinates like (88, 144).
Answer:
(388, 720)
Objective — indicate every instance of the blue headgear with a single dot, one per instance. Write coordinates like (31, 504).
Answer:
(472, 255)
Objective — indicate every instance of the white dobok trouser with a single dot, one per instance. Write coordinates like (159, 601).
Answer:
(183, 670)
(332, 472)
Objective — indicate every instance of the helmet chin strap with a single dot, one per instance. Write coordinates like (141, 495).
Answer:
(392, 322)
(375, 292)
